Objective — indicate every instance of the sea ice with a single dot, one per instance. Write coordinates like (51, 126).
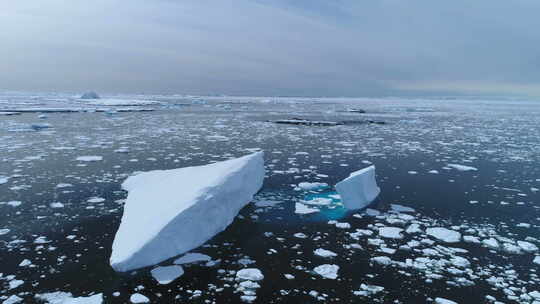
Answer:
(444, 301)
(312, 186)
(90, 158)
(391, 232)
(443, 234)
(192, 257)
(138, 298)
(324, 253)
(462, 167)
(300, 208)
(249, 274)
(359, 189)
(327, 271)
(169, 212)
(60, 297)
(166, 274)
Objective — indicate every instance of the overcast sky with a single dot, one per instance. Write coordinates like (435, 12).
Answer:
(272, 47)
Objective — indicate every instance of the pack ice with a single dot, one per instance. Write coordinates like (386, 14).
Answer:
(359, 189)
(169, 212)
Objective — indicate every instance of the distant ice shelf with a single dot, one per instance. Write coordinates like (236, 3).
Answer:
(170, 212)
(359, 189)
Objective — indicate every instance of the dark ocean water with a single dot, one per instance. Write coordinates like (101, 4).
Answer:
(499, 138)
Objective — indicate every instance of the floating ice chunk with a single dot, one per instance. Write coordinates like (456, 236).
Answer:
(444, 301)
(327, 271)
(443, 234)
(4, 231)
(300, 208)
(13, 299)
(526, 246)
(413, 228)
(536, 259)
(60, 297)
(312, 186)
(491, 243)
(138, 298)
(56, 205)
(194, 257)
(173, 211)
(249, 274)
(318, 201)
(3, 179)
(359, 189)
(166, 274)
(324, 253)
(90, 158)
(401, 208)
(462, 167)
(391, 232)
(25, 262)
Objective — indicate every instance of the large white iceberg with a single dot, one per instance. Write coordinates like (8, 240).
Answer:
(359, 189)
(170, 212)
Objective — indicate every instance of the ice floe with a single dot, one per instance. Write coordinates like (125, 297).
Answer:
(359, 189)
(163, 209)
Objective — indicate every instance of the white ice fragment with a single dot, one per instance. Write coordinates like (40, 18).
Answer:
(13, 299)
(359, 189)
(536, 259)
(444, 301)
(300, 208)
(312, 186)
(3, 179)
(192, 257)
(327, 271)
(249, 274)
(166, 274)
(401, 208)
(90, 158)
(324, 253)
(138, 298)
(491, 243)
(526, 246)
(443, 234)
(391, 232)
(60, 297)
(462, 167)
(169, 212)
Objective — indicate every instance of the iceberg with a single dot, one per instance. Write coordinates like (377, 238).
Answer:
(90, 95)
(170, 212)
(359, 189)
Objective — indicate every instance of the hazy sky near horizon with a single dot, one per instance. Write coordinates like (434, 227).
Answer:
(272, 47)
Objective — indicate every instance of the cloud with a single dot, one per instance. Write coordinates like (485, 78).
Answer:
(273, 47)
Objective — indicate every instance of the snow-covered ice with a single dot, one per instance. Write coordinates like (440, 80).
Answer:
(60, 297)
(166, 274)
(300, 208)
(359, 189)
(444, 234)
(90, 158)
(327, 271)
(192, 257)
(462, 167)
(250, 274)
(169, 212)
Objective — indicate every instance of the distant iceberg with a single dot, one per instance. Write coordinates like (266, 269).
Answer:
(90, 95)
(170, 212)
(359, 189)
